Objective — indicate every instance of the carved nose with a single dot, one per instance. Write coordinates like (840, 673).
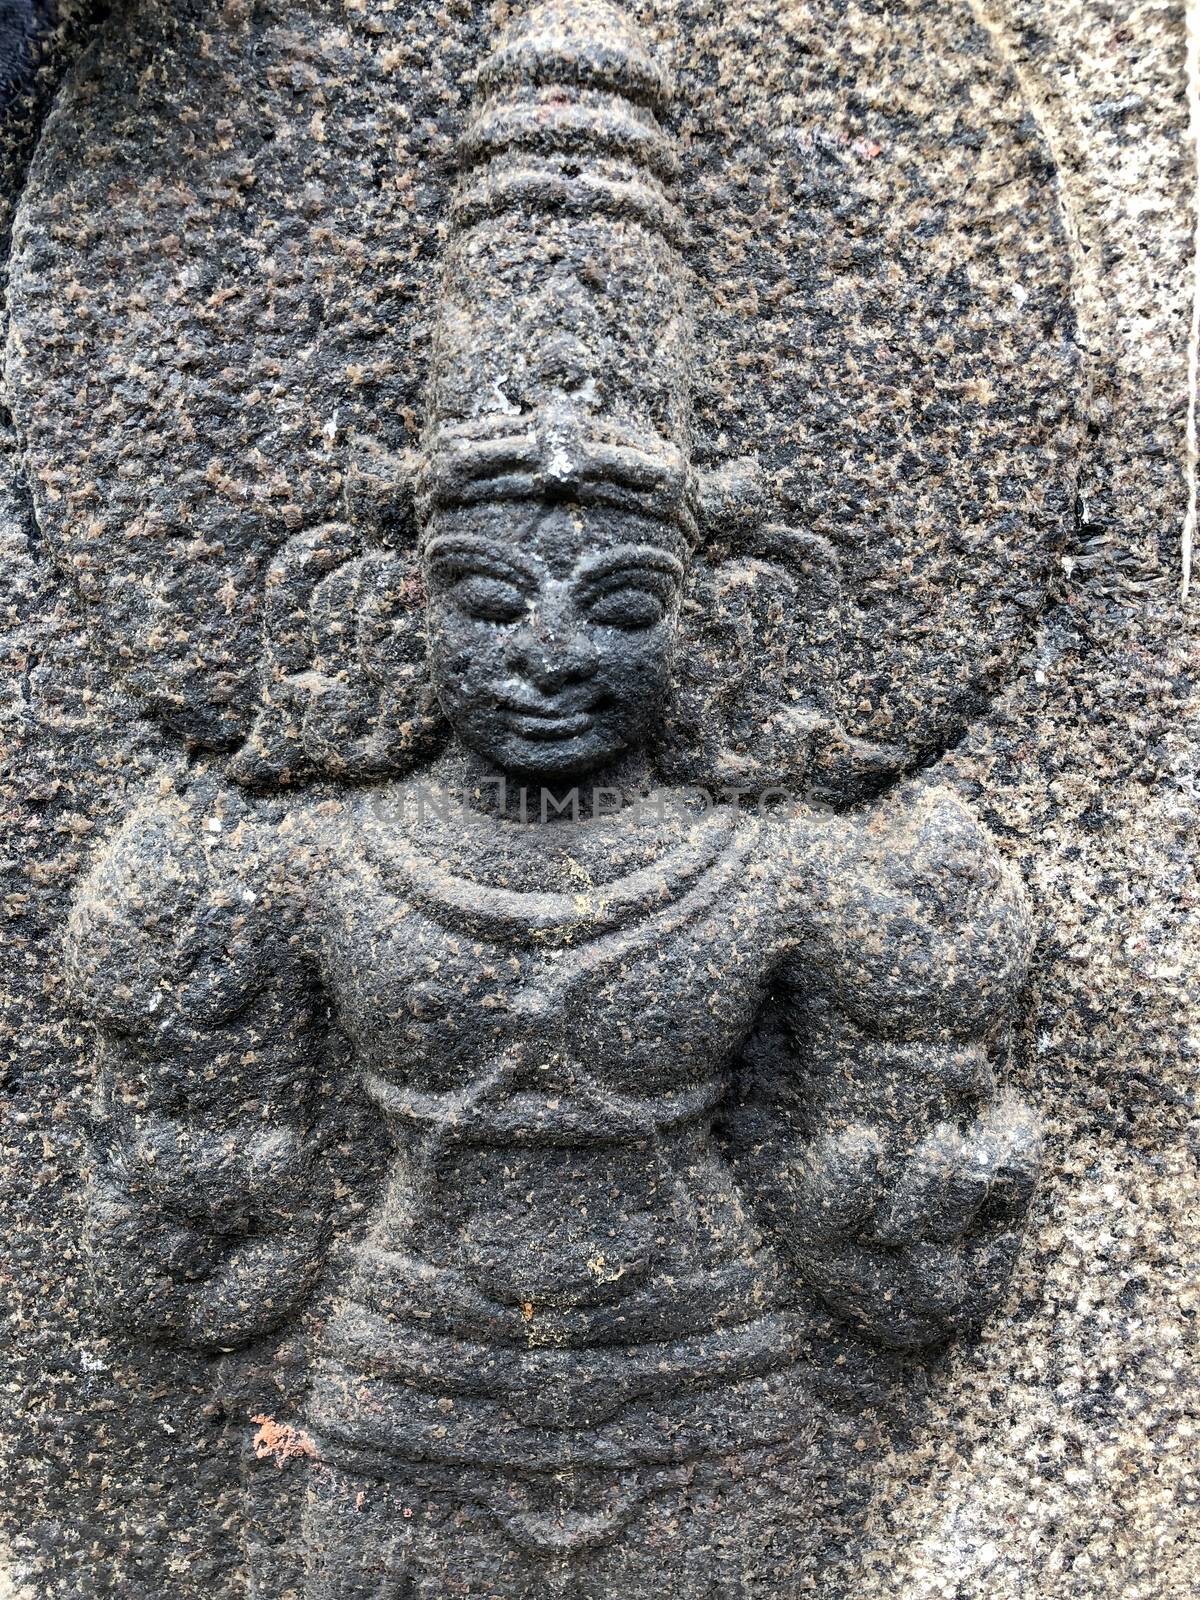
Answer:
(551, 659)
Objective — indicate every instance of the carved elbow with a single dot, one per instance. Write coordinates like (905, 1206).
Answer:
(914, 1249)
(933, 953)
(204, 1240)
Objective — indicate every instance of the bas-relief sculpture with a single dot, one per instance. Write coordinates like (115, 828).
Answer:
(667, 1088)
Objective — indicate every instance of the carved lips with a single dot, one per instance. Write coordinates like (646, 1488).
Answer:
(544, 722)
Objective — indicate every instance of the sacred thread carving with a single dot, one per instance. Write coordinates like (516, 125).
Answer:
(657, 1083)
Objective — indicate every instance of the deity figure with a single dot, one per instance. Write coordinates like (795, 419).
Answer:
(684, 1035)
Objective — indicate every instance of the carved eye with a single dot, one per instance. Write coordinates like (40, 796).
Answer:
(630, 608)
(489, 599)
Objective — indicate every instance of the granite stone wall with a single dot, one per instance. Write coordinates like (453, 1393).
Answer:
(1010, 192)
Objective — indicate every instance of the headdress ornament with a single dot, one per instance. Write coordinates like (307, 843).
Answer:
(562, 356)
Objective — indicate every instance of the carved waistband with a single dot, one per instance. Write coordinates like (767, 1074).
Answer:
(495, 1109)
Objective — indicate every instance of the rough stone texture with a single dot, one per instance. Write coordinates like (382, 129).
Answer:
(1053, 1457)
(24, 25)
(244, 208)
(1084, 1481)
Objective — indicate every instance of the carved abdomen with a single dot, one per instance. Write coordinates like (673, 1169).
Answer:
(561, 1261)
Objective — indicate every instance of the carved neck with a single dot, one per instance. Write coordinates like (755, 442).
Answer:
(523, 799)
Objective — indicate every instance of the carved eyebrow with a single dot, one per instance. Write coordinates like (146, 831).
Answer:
(458, 552)
(632, 558)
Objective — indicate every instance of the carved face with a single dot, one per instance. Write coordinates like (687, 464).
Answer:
(550, 631)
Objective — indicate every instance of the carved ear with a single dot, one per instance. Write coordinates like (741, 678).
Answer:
(273, 753)
(731, 502)
(380, 494)
(757, 671)
(344, 684)
(753, 674)
(842, 769)
(372, 709)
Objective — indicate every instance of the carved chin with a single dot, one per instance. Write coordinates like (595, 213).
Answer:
(552, 752)
(545, 741)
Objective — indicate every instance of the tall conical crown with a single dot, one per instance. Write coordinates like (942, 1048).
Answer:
(562, 353)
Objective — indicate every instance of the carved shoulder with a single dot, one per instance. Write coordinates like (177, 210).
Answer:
(185, 916)
(205, 1203)
(921, 927)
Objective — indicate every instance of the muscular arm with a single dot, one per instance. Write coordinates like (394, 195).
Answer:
(204, 1218)
(899, 1167)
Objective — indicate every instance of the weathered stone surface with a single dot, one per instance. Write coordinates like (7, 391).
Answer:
(866, 191)
(243, 208)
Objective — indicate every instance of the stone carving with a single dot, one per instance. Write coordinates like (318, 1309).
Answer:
(659, 1079)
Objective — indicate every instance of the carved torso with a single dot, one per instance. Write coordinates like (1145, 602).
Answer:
(569, 1263)
(559, 1235)
(560, 1240)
